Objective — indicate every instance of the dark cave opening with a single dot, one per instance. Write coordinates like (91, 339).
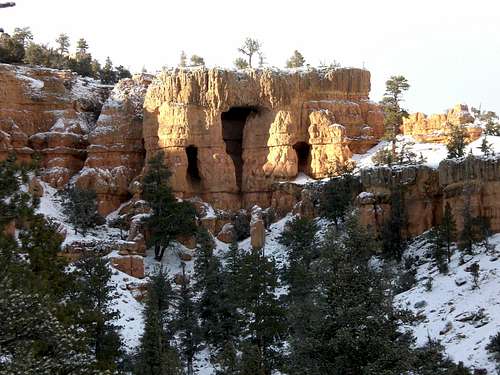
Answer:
(303, 151)
(193, 173)
(233, 124)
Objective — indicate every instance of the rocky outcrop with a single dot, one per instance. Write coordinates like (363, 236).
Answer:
(435, 128)
(48, 113)
(228, 136)
(116, 151)
(426, 191)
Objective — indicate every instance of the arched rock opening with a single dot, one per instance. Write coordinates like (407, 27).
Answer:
(303, 151)
(233, 124)
(193, 173)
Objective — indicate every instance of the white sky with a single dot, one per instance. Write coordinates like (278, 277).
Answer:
(448, 50)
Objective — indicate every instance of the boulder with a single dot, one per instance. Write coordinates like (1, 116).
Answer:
(131, 265)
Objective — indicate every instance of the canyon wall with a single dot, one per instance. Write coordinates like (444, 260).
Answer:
(435, 128)
(229, 136)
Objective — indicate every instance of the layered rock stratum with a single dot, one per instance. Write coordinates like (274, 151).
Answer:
(228, 136)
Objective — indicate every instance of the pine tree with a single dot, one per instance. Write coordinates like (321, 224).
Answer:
(80, 207)
(337, 195)
(186, 323)
(94, 299)
(208, 282)
(360, 332)
(82, 46)
(197, 60)
(431, 360)
(23, 36)
(240, 63)
(299, 240)
(108, 75)
(183, 60)
(392, 231)
(448, 230)
(394, 114)
(457, 140)
(467, 233)
(264, 317)
(486, 147)
(63, 43)
(155, 354)
(438, 248)
(170, 218)
(296, 60)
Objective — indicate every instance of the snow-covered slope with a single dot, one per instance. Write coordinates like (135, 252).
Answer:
(455, 312)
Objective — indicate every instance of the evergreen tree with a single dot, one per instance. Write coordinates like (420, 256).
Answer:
(457, 140)
(394, 114)
(264, 317)
(431, 360)
(296, 60)
(197, 60)
(249, 48)
(23, 36)
(240, 63)
(448, 230)
(186, 323)
(392, 231)
(438, 248)
(82, 46)
(122, 72)
(183, 60)
(94, 298)
(299, 240)
(359, 333)
(467, 234)
(63, 43)
(211, 307)
(486, 147)
(337, 195)
(11, 50)
(155, 355)
(80, 207)
(170, 218)
(108, 74)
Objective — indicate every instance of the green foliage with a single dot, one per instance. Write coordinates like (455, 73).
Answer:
(197, 61)
(80, 207)
(448, 230)
(494, 347)
(393, 242)
(486, 147)
(299, 240)
(93, 298)
(336, 195)
(431, 360)
(296, 60)
(394, 114)
(240, 63)
(186, 323)
(108, 75)
(241, 225)
(438, 249)
(11, 50)
(63, 43)
(170, 218)
(155, 354)
(457, 140)
(263, 314)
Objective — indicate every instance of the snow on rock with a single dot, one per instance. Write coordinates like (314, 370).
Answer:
(458, 314)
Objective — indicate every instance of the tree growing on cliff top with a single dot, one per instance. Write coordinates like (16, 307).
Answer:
(197, 60)
(394, 113)
(250, 48)
(296, 60)
(457, 140)
(170, 218)
(63, 43)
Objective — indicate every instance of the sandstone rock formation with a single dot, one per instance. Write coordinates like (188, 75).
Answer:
(435, 128)
(116, 151)
(228, 136)
(48, 112)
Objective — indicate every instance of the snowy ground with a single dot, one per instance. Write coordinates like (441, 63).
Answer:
(433, 153)
(461, 317)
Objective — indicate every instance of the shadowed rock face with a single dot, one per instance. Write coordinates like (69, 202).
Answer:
(251, 129)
